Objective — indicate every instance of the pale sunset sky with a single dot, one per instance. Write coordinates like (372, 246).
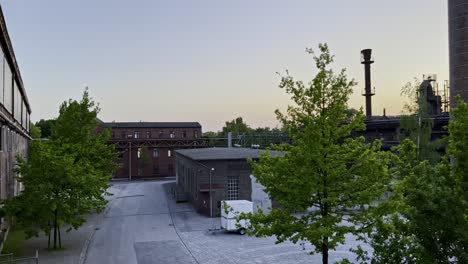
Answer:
(211, 61)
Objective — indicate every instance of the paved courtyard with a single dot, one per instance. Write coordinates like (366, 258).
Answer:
(144, 225)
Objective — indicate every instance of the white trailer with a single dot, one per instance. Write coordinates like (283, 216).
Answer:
(229, 214)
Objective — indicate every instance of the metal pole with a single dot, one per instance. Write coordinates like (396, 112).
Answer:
(211, 192)
(130, 160)
(211, 201)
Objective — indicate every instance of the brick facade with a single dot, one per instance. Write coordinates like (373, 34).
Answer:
(147, 149)
(193, 176)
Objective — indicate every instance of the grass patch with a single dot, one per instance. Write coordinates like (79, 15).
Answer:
(14, 242)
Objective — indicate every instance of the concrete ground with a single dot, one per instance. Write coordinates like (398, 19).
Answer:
(143, 225)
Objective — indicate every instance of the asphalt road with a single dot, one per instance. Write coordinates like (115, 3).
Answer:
(143, 225)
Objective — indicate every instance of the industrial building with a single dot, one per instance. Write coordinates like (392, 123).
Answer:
(388, 128)
(439, 102)
(147, 148)
(15, 114)
(224, 172)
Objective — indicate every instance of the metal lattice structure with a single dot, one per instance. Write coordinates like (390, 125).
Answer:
(158, 143)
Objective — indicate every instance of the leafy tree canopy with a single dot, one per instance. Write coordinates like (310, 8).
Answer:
(35, 131)
(332, 178)
(235, 126)
(46, 127)
(66, 177)
(425, 218)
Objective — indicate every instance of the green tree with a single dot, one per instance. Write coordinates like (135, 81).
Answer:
(66, 177)
(417, 124)
(350, 112)
(211, 134)
(425, 218)
(35, 131)
(236, 126)
(46, 126)
(332, 178)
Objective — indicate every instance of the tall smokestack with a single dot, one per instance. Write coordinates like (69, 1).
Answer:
(366, 59)
(458, 48)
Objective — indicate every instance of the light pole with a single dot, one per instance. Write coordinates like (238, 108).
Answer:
(211, 193)
(130, 160)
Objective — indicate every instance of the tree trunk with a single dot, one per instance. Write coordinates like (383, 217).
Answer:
(325, 238)
(325, 251)
(59, 236)
(50, 231)
(55, 229)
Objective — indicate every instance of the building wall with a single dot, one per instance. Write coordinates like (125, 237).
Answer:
(148, 165)
(14, 121)
(14, 115)
(193, 179)
(12, 144)
(141, 160)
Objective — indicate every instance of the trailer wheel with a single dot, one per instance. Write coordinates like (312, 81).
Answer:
(241, 231)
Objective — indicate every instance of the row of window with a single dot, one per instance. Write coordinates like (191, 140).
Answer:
(10, 94)
(148, 134)
(155, 153)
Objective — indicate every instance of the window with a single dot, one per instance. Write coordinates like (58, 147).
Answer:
(123, 133)
(233, 188)
(1, 138)
(23, 114)
(195, 134)
(155, 153)
(184, 134)
(8, 88)
(137, 134)
(139, 153)
(161, 134)
(113, 134)
(1, 75)
(17, 102)
(169, 153)
(148, 134)
(27, 121)
(172, 135)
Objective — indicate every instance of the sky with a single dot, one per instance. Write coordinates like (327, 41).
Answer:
(212, 61)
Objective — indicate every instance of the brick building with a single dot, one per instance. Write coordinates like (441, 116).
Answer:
(15, 114)
(147, 148)
(230, 175)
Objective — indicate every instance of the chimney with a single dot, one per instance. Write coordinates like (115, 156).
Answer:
(458, 49)
(366, 59)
